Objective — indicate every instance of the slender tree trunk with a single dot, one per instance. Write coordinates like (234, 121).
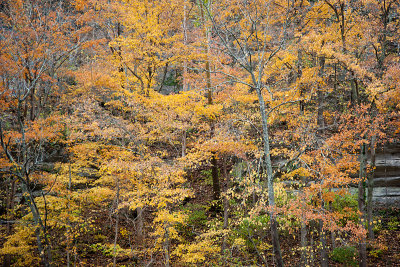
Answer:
(312, 254)
(303, 243)
(333, 236)
(354, 91)
(215, 178)
(184, 133)
(32, 114)
(149, 80)
(119, 52)
(23, 175)
(42, 242)
(116, 224)
(361, 206)
(322, 238)
(342, 19)
(163, 78)
(10, 207)
(298, 74)
(69, 214)
(383, 37)
(320, 112)
(270, 181)
(214, 162)
(226, 204)
(166, 247)
(320, 97)
(139, 223)
(184, 26)
(371, 190)
(303, 231)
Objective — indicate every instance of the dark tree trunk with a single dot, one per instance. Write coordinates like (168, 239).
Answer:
(214, 162)
(371, 190)
(303, 244)
(320, 97)
(322, 238)
(226, 202)
(361, 206)
(215, 179)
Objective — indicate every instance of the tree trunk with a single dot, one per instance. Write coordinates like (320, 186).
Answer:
(215, 179)
(214, 162)
(354, 91)
(322, 238)
(184, 133)
(312, 254)
(69, 213)
(42, 242)
(10, 207)
(163, 78)
(303, 244)
(270, 181)
(298, 76)
(23, 175)
(226, 204)
(320, 97)
(184, 26)
(32, 113)
(116, 224)
(361, 206)
(303, 232)
(166, 247)
(333, 236)
(139, 223)
(371, 190)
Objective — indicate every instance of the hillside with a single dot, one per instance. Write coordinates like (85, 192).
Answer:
(199, 133)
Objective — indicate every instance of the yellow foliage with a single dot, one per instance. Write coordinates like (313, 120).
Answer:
(22, 245)
(299, 172)
(200, 252)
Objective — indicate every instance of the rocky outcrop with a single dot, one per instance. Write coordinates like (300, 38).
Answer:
(387, 175)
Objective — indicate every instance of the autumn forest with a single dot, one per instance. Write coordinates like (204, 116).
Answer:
(199, 132)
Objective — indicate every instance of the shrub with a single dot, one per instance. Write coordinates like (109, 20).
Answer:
(196, 219)
(253, 230)
(348, 206)
(345, 255)
(393, 224)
